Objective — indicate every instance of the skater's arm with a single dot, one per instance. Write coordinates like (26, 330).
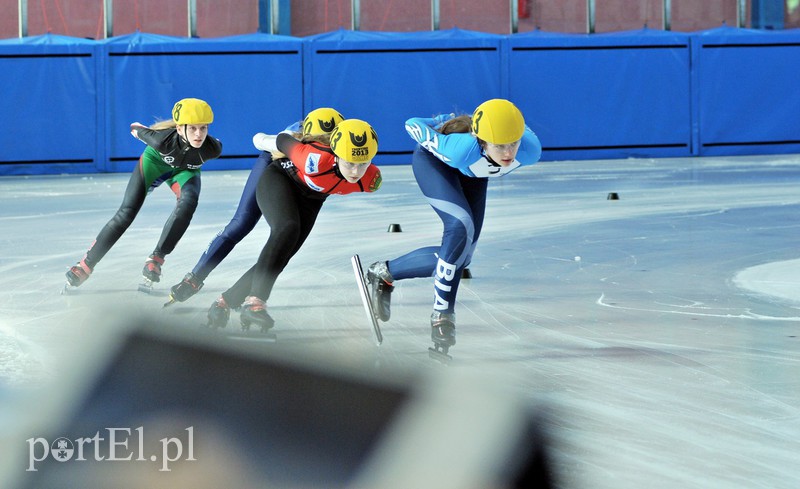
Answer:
(269, 142)
(530, 148)
(156, 138)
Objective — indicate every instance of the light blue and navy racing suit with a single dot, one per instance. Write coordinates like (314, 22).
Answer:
(452, 170)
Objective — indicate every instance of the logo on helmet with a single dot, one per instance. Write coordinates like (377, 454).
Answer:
(358, 140)
(176, 111)
(328, 125)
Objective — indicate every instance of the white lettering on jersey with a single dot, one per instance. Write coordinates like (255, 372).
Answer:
(312, 163)
(429, 141)
(444, 273)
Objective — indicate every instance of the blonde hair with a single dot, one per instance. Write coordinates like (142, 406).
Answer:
(167, 124)
(308, 138)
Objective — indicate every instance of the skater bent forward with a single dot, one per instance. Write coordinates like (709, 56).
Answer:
(176, 149)
(290, 194)
(317, 122)
(452, 164)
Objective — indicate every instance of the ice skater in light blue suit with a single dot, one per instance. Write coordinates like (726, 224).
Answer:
(452, 163)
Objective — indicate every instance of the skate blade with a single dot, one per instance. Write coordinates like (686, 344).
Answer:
(146, 286)
(366, 301)
(254, 336)
(439, 353)
(169, 302)
(68, 289)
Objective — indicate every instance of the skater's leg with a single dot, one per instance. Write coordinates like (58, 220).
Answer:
(475, 192)
(457, 200)
(186, 186)
(415, 264)
(220, 310)
(237, 293)
(187, 191)
(132, 201)
(244, 220)
(291, 217)
(452, 197)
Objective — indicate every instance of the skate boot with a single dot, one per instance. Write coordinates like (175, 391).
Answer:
(380, 286)
(254, 311)
(219, 313)
(443, 334)
(189, 286)
(78, 274)
(152, 268)
(443, 328)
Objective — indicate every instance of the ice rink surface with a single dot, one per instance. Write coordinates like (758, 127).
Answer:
(660, 330)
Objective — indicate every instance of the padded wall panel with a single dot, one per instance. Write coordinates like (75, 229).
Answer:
(253, 83)
(386, 78)
(604, 96)
(49, 121)
(747, 97)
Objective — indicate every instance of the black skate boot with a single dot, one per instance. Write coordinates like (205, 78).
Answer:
(380, 287)
(443, 334)
(151, 273)
(189, 286)
(78, 274)
(254, 311)
(152, 268)
(218, 314)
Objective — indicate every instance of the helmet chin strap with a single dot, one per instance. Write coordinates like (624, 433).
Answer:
(184, 136)
(489, 158)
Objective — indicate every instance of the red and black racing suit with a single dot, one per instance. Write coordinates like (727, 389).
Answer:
(290, 194)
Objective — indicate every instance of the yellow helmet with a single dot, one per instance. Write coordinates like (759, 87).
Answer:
(355, 141)
(321, 121)
(498, 121)
(192, 111)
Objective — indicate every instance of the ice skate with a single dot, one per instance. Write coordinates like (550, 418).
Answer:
(151, 273)
(443, 334)
(76, 275)
(380, 285)
(365, 297)
(254, 311)
(189, 286)
(218, 314)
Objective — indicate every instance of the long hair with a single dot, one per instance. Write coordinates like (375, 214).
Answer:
(309, 138)
(461, 123)
(167, 124)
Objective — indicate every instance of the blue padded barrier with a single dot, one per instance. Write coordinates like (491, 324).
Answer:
(614, 95)
(49, 112)
(747, 91)
(644, 93)
(252, 82)
(386, 78)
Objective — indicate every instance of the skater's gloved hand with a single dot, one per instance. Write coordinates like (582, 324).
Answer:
(135, 129)
(265, 142)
